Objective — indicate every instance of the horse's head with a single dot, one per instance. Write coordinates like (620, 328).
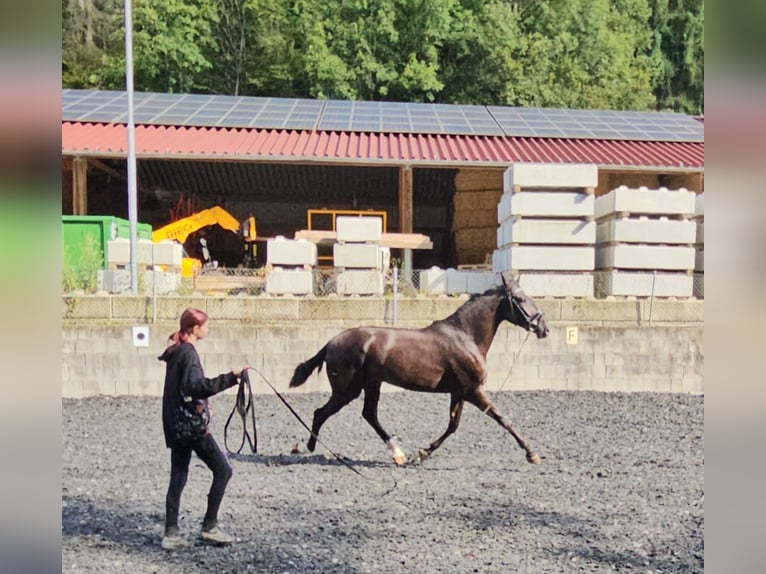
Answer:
(522, 310)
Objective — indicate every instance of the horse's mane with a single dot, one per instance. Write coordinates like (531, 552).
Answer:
(468, 306)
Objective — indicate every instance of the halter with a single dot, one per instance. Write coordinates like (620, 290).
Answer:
(532, 320)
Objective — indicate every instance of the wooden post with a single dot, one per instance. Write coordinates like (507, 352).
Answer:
(80, 186)
(405, 215)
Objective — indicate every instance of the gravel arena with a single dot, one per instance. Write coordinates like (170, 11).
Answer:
(620, 488)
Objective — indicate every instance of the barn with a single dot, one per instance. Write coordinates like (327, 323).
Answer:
(432, 169)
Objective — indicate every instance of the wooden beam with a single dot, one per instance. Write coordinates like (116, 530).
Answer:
(98, 164)
(80, 186)
(393, 240)
(405, 199)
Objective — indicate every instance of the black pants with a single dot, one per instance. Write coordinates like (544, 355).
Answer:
(210, 453)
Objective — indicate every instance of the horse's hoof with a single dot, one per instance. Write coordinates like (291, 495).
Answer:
(422, 455)
(533, 458)
(396, 453)
(296, 449)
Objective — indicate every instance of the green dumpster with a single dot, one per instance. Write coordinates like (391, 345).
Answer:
(87, 237)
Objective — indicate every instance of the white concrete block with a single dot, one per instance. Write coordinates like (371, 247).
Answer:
(290, 252)
(643, 230)
(699, 206)
(479, 281)
(547, 231)
(290, 281)
(457, 281)
(700, 238)
(699, 260)
(661, 257)
(627, 283)
(529, 175)
(544, 258)
(433, 280)
(545, 204)
(557, 284)
(353, 229)
(118, 251)
(357, 256)
(359, 282)
(644, 201)
(167, 253)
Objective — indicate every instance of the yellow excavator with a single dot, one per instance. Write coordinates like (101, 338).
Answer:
(181, 229)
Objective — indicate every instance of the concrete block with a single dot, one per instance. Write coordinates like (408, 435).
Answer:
(699, 206)
(353, 229)
(113, 280)
(531, 175)
(557, 284)
(167, 282)
(433, 280)
(359, 282)
(358, 256)
(167, 253)
(479, 281)
(291, 252)
(644, 201)
(644, 230)
(290, 281)
(545, 204)
(626, 283)
(700, 238)
(551, 231)
(699, 260)
(118, 251)
(457, 281)
(543, 258)
(661, 257)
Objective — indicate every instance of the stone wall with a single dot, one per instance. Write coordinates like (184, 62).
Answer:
(613, 347)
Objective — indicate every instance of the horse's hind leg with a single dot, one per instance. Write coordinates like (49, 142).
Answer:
(455, 410)
(336, 402)
(370, 414)
(479, 399)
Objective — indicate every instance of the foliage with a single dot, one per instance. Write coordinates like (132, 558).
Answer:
(82, 275)
(616, 54)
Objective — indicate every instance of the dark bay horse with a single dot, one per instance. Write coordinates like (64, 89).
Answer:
(448, 356)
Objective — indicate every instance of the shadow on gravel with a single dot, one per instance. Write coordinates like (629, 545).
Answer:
(299, 459)
(88, 524)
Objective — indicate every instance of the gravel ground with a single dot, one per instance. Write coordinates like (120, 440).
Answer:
(620, 488)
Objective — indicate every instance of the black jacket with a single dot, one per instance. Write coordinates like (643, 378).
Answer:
(185, 380)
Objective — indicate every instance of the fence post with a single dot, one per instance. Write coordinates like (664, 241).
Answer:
(395, 291)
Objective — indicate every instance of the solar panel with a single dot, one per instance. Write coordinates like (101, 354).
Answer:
(393, 117)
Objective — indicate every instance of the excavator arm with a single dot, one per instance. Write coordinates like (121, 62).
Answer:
(181, 229)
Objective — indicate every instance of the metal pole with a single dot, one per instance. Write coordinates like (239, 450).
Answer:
(395, 290)
(132, 195)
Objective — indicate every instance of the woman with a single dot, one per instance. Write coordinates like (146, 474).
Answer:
(185, 419)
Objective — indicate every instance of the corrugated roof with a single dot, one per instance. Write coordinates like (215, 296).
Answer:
(110, 140)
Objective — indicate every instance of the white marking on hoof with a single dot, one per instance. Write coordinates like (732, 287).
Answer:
(396, 452)
(533, 458)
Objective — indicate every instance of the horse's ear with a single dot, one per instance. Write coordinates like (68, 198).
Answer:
(505, 283)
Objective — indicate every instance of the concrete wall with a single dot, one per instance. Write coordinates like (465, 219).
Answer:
(616, 347)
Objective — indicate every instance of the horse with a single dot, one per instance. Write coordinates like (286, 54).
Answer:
(448, 356)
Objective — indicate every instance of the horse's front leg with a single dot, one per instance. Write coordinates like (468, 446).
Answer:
(455, 410)
(481, 400)
(370, 414)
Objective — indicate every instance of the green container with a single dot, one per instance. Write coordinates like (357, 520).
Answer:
(82, 235)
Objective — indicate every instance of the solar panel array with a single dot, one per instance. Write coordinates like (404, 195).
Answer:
(393, 117)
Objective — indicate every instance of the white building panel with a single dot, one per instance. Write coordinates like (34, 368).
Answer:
(290, 252)
(543, 258)
(661, 257)
(541, 175)
(644, 230)
(353, 229)
(644, 201)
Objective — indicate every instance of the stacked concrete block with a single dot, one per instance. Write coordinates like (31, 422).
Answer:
(358, 257)
(645, 242)
(452, 281)
(699, 245)
(290, 264)
(546, 228)
(118, 252)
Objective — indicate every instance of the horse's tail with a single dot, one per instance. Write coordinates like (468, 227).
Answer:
(305, 369)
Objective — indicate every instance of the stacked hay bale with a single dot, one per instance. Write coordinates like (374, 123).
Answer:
(699, 260)
(645, 242)
(290, 266)
(359, 259)
(477, 192)
(546, 230)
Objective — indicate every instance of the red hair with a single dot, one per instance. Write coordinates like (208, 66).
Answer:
(190, 318)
